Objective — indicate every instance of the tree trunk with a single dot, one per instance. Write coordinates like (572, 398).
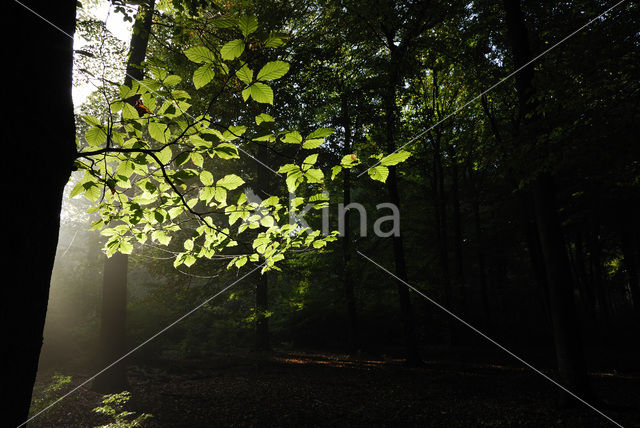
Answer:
(114, 305)
(262, 291)
(262, 321)
(440, 205)
(404, 300)
(457, 234)
(352, 319)
(38, 135)
(566, 330)
(113, 321)
(569, 354)
(482, 270)
(630, 255)
(597, 273)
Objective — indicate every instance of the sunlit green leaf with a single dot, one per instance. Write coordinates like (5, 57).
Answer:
(203, 75)
(199, 54)
(273, 70)
(232, 50)
(247, 24)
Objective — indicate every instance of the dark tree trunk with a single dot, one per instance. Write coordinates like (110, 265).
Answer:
(352, 318)
(440, 205)
(39, 150)
(586, 292)
(482, 270)
(139, 42)
(569, 354)
(113, 321)
(262, 342)
(404, 300)
(458, 255)
(566, 330)
(114, 294)
(597, 273)
(630, 254)
(262, 321)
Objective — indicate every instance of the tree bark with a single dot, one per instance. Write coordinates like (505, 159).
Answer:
(38, 135)
(630, 256)
(566, 333)
(262, 342)
(404, 300)
(113, 322)
(114, 292)
(352, 316)
(262, 321)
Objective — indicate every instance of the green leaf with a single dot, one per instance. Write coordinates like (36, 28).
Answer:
(199, 55)
(226, 151)
(321, 133)
(245, 74)
(91, 120)
(395, 158)
(379, 173)
(349, 160)
(221, 195)
(206, 178)
(207, 194)
(259, 92)
(335, 171)
(232, 50)
(273, 70)
(125, 247)
(247, 24)
(172, 80)
(294, 178)
(313, 143)
(288, 168)
(159, 132)
(93, 191)
(125, 169)
(314, 176)
(309, 161)
(129, 112)
(275, 40)
(165, 155)
(263, 117)
(197, 159)
(95, 136)
(292, 137)
(230, 182)
(267, 221)
(203, 75)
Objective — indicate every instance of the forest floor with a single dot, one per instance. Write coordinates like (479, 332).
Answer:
(299, 389)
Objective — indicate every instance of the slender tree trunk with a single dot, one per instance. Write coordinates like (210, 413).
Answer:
(566, 330)
(413, 354)
(457, 233)
(352, 318)
(440, 204)
(630, 255)
(113, 322)
(262, 342)
(569, 354)
(597, 273)
(262, 321)
(482, 270)
(39, 150)
(114, 293)
(586, 292)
